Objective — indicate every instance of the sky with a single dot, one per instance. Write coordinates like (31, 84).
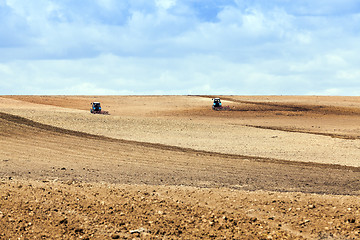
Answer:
(165, 47)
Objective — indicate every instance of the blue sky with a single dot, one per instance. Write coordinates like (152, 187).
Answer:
(242, 47)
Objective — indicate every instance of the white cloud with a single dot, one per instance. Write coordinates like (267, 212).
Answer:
(169, 46)
(165, 4)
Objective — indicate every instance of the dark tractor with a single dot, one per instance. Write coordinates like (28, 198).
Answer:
(217, 104)
(96, 108)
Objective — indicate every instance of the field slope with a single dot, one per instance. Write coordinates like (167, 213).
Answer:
(170, 167)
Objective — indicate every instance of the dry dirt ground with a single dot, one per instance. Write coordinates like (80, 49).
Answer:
(169, 167)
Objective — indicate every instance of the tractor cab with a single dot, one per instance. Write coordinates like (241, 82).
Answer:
(217, 106)
(96, 106)
(96, 109)
(217, 103)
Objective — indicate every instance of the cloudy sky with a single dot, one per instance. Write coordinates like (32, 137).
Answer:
(242, 47)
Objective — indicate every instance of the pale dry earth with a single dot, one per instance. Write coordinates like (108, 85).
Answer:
(185, 121)
(168, 167)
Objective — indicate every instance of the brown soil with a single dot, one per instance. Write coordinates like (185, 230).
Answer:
(275, 167)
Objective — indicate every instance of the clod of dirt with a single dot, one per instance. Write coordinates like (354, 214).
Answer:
(115, 236)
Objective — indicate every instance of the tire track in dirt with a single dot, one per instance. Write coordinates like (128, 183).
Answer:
(322, 110)
(333, 135)
(50, 128)
(278, 106)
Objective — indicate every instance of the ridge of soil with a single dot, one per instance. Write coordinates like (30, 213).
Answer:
(28, 122)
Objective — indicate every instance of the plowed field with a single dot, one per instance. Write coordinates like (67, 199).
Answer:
(273, 167)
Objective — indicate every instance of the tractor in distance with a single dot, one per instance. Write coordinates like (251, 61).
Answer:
(96, 109)
(218, 106)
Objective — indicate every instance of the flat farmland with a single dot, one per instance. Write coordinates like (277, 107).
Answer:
(272, 167)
